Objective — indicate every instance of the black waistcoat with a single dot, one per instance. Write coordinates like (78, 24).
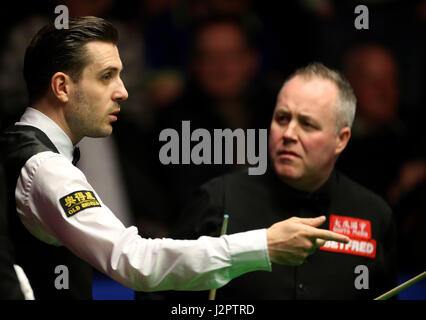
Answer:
(38, 259)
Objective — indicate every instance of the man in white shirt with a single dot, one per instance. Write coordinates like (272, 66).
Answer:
(74, 85)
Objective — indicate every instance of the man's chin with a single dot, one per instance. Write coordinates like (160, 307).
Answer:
(101, 133)
(287, 172)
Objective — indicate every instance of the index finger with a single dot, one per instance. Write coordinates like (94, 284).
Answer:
(329, 235)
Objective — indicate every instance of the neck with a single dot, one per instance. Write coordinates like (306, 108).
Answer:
(56, 114)
(306, 185)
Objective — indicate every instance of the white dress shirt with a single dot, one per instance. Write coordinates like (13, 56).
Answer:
(98, 237)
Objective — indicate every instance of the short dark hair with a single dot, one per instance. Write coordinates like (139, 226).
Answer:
(62, 50)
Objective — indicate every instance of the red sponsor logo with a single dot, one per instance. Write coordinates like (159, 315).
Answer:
(358, 230)
(366, 248)
(352, 227)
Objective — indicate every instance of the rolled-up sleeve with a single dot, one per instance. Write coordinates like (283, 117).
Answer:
(93, 233)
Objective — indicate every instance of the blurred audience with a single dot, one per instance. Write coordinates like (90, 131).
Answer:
(223, 90)
(379, 143)
(201, 69)
(386, 152)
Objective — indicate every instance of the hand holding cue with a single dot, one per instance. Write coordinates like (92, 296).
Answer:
(212, 292)
(402, 287)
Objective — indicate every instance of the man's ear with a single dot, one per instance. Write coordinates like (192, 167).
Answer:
(342, 139)
(60, 84)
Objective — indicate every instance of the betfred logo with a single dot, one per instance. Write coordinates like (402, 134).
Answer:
(352, 227)
(366, 248)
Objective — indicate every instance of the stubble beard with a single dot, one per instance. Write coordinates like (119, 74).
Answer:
(87, 123)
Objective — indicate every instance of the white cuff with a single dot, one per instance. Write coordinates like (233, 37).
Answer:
(249, 251)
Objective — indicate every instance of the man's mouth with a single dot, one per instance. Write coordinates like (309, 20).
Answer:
(113, 114)
(286, 153)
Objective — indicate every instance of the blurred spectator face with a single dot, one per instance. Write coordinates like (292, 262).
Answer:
(303, 145)
(373, 74)
(224, 64)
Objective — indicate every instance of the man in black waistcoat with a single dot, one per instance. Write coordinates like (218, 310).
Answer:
(59, 225)
(309, 129)
(10, 288)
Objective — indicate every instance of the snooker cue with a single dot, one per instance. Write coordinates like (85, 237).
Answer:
(212, 292)
(401, 287)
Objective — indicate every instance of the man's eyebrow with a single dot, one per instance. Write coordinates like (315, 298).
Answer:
(110, 68)
(282, 109)
(307, 117)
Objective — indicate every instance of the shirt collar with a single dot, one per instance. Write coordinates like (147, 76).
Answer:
(35, 118)
(320, 198)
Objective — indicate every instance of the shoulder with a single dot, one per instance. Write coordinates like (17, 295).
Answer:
(20, 143)
(236, 190)
(361, 197)
(47, 171)
(47, 160)
(233, 184)
(26, 137)
(235, 181)
(49, 164)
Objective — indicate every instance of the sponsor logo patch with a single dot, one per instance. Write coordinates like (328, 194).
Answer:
(358, 230)
(351, 227)
(366, 248)
(77, 201)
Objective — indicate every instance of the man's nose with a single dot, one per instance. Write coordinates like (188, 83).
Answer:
(290, 132)
(121, 93)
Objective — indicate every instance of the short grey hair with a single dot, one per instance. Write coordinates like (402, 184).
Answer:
(346, 101)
